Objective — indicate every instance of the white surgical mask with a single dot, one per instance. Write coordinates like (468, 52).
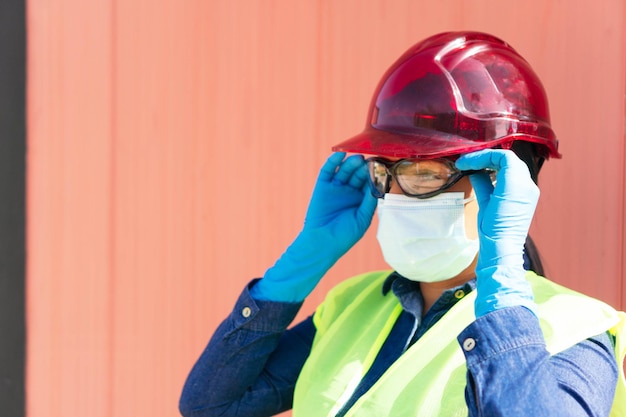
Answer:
(425, 240)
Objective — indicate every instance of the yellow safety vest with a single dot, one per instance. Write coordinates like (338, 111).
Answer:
(429, 378)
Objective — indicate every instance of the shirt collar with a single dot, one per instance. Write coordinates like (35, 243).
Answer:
(410, 296)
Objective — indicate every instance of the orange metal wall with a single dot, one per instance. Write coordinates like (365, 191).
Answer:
(172, 148)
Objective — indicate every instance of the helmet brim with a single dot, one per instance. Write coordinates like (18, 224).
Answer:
(420, 143)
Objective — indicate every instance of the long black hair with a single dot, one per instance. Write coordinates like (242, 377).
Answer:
(534, 157)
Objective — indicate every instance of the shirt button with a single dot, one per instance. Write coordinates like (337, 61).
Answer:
(246, 312)
(458, 294)
(469, 344)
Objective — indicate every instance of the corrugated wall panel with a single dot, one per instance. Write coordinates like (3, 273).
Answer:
(69, 351)
(173, 147)
(580, 220)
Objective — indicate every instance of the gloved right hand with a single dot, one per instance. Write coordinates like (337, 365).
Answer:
(339, 213)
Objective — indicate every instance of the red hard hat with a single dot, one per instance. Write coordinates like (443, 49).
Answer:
(454, 93)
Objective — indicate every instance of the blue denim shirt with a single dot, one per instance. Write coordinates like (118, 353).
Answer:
(251, 363)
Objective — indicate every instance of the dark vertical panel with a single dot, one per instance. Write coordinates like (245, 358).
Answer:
(12, 205)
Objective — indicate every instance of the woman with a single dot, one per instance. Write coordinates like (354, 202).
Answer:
(457, 133)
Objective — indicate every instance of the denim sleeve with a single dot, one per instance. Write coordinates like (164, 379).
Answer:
(510, 372)
(250, 365)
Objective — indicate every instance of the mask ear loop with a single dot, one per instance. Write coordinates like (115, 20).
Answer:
(469, 199)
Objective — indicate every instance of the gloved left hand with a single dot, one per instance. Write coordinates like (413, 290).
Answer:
(339, 213)
(504, 217)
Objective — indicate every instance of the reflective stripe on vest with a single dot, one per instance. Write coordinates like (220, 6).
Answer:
(429, 378)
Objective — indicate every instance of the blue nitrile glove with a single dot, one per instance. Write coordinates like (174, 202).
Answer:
(339, 213)
(504, 217)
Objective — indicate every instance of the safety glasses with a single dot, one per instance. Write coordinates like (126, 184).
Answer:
(416, 178)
